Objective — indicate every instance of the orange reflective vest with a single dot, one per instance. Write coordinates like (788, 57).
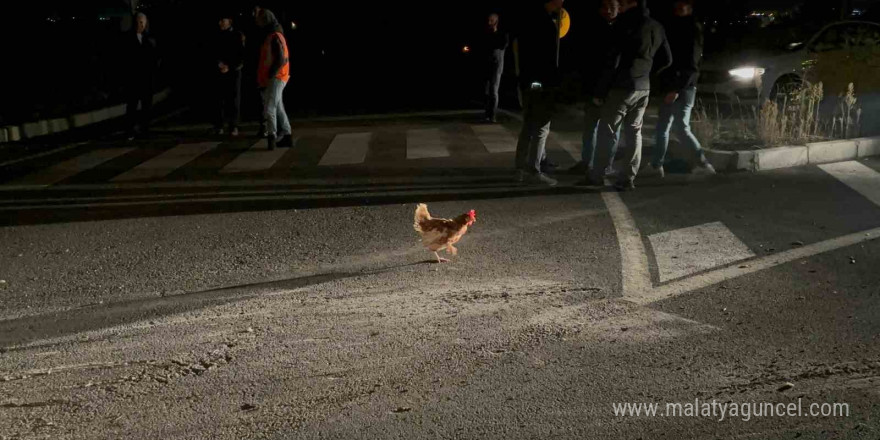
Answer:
(266, 60)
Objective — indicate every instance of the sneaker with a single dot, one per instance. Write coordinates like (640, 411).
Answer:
(624, 185)
(589, 181)
(652, 171)
(705, 169)
(285, 141)
(217, 131)
(544, 179)
(610, 171)
(234, 132)
(520, 176)
(272, 142)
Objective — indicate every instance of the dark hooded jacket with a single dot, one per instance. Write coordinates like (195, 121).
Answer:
(638, 40)
(686, 39)
(537, 36)
(142, 55)
(230, 48)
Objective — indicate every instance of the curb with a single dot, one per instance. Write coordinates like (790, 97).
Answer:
(30, 130)
(793, 156)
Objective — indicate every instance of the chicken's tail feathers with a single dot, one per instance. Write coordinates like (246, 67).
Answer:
(421, 215)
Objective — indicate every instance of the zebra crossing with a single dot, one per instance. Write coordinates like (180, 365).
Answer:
(149, 162)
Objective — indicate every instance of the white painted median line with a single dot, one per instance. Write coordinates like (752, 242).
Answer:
(256, 158)
(165, 163)
(687, 251)
(857, 176)
(708, 279)
(636, 277)
(347, 149)
(495, 138)
(72, 167)
(426, 143)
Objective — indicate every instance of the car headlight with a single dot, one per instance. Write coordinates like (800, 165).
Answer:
(746, 73)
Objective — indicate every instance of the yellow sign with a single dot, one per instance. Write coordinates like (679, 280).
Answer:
(565, 24)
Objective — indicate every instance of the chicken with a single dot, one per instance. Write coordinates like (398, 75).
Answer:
(440, 233)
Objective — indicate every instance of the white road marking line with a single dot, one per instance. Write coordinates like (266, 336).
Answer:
(636, 277)
(705, 280)
(495, 138)
(857, 176)
(165, 163)
(686, 251)
(45, 153)
(347, 149)
(256, 158)
(426, 143)
(71, 167)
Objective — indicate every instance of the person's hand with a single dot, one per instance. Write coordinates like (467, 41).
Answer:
(224, 69)
(671, 97)
(598, 102)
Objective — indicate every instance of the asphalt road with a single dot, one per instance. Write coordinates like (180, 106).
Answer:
(294, 301)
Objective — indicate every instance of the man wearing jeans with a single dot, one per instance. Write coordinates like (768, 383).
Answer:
(273, 73)
(680, 87)
(637, 42)
(538, 41)
(495, 43)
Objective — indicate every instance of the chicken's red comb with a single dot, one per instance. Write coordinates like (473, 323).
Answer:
(472, 214)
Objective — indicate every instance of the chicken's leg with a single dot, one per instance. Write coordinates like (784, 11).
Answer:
(440, 260)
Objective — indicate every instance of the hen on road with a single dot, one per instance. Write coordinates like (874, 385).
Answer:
(440, 233)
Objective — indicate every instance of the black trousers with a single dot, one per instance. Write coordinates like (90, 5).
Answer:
(228, 93)
(140, 91)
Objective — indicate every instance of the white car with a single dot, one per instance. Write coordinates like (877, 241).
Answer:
(753, 77)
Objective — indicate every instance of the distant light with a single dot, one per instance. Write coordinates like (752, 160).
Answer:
(293, 25)
(746, 73)
(466, 49)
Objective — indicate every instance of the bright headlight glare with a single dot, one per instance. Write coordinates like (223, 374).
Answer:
(746, 72)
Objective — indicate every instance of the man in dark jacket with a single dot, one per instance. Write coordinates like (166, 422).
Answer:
(629, 85)
(229, 60)
(679, 85)
(494, 44)
(601, 33)
(538, 41)
(143, 60)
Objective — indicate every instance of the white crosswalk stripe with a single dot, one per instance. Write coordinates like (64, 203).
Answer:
(347, 149)
(426, 143)
(165, 163)
(857, 176)
(495, 138)
(72, 167)
(256, 158)
(687, 251)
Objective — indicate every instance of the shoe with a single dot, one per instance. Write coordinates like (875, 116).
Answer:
(544, 179)
(652, 171)
(549, 165)
(624, 185)
(578, 169)
(234, 132)
(589, 181)
(705, 169)
(285, 141)
(217, 131)
(610, 171)
(272, 142)
(520, 176)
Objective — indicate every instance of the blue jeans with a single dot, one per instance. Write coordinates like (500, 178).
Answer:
(677, 116)
(277, 124)
(592, 114)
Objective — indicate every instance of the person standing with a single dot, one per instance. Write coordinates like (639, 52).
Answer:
(679, 85)
(273, 72)
(538, 42)
(495, 44)
(629, 86)
(601, 34)
(230, 60)
(143, 61)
